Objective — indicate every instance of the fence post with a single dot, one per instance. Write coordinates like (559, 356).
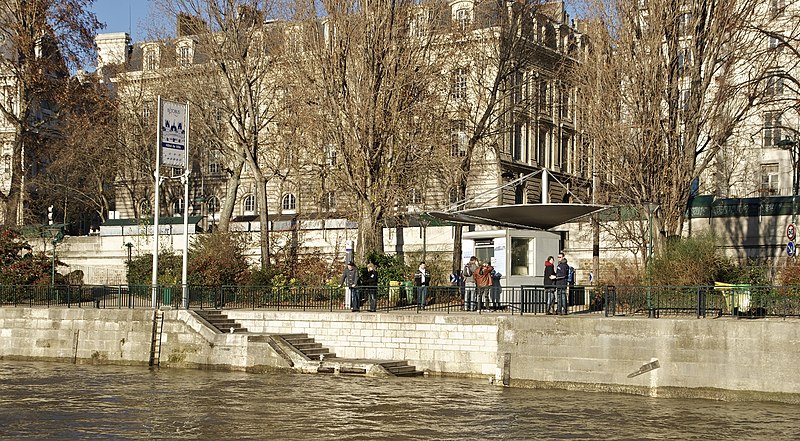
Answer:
(701, 302)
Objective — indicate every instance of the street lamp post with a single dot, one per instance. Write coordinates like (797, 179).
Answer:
(792, 145)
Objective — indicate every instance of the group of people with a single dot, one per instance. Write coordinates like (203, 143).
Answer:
(480, 282)
(556, 275)
(483, 290)
(350, 279)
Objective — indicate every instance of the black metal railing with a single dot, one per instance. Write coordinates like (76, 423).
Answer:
(702, 301)
(650, 301)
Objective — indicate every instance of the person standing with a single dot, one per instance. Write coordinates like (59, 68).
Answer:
(350, 280)
(422, 278)
(549, 282)
(497, 288)
(470, 295)
(371, 286)
(562, 272)
(483, 281)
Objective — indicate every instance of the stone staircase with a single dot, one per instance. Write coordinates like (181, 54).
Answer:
(220, 321)
(329, 363)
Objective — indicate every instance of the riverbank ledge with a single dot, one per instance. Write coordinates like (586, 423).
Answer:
(722, 358)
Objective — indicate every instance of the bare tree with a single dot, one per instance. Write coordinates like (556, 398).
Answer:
(367, 86)
(42, 39)
(663, 90)
(240, 46)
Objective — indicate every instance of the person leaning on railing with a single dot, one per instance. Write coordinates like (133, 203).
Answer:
(371, 286)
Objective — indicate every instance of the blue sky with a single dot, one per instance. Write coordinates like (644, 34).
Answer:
(123, 16)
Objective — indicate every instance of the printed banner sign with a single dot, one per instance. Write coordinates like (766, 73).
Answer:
(174, 126)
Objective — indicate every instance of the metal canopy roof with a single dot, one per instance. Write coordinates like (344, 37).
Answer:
(527, 216)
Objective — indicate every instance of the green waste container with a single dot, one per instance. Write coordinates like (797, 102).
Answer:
(409, 288)
(167, 296)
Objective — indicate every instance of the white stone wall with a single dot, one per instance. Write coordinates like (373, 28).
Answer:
(457, 344)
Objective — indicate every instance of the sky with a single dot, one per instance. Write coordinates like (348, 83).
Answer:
(123, 16)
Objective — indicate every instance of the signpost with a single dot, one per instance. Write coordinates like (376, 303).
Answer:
(172, 145)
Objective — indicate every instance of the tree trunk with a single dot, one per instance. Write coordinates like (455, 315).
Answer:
(370, 232)
(226, 212)
(12, 215)
(263, 215)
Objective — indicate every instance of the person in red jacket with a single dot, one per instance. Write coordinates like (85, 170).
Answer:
(483, 281)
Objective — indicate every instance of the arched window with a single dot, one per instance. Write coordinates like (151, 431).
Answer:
(289, 203)
(212, 205)
(452, 196)
(249, 204)
(177, 208)
(145, 208)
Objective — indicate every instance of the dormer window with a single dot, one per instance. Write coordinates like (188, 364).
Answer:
(150, 57)
(185, 53)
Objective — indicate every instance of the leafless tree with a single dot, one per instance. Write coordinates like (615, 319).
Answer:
(663, 90)
(367, 86)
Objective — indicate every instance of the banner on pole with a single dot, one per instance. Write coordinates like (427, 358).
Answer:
(174, 126)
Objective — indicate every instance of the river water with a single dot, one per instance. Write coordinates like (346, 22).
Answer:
(65, 401)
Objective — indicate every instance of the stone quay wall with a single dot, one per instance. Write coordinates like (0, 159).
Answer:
(708, 358)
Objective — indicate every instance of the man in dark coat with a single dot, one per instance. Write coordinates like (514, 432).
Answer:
(562, 272)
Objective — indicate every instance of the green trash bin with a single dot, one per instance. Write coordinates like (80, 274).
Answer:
(408, 286)
(167, 296)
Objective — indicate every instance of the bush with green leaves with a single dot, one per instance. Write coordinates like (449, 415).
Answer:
(389, 267)
(170, 268)
(20, 265)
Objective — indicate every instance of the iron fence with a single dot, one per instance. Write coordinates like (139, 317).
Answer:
(703, 301)
(651, 301)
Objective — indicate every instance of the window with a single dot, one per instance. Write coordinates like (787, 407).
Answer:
(416, 197)
(212, 205)
(214, 161)
(685, 25)
(289, 203)
(458, 137)
(330, 155)
(185, 54)
(519, 194)
(772, 129)
(459, 86)
(452, 196)
(775, 84)
(541, 152)
(683, 103)
(144, 208)
(177, 207)
(774, 43)
(419, 24)
(328, 201)
(544, 97)
(684, 60)
(518, 88)
(150, 62)
(147, 112)
(516, 142)
(249, 205)
(769, 179)
(6, 165)
(520, 256)
(462, 18)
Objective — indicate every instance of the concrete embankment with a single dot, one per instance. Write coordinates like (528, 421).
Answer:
(709, 358)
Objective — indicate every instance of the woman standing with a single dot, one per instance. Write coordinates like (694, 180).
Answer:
(371, 284)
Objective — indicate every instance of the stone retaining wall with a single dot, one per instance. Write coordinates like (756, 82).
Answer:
(711, 358)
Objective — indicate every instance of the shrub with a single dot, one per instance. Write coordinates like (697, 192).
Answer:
(21, 266)
(389, 267)
(217, 259)
(170, 267)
